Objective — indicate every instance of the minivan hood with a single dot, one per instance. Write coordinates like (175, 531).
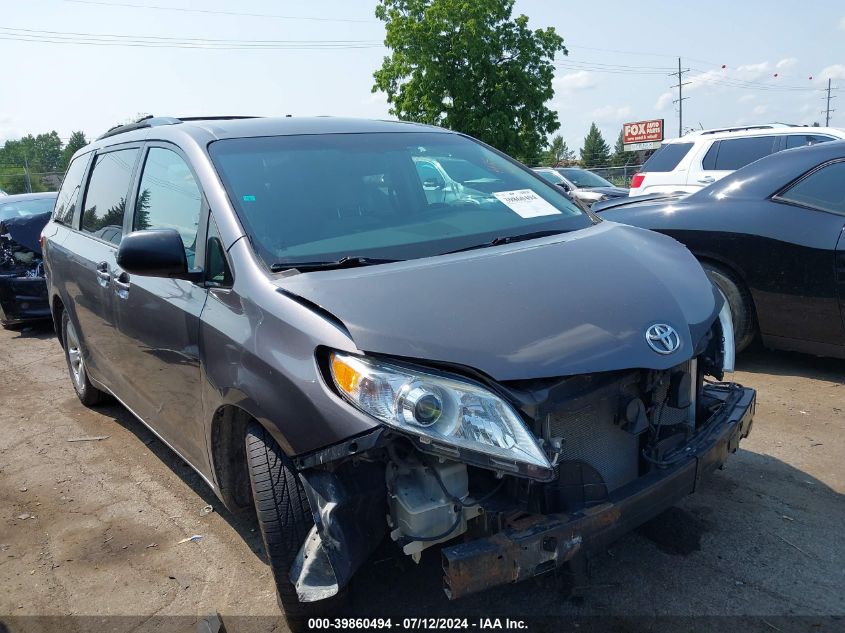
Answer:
(569, 304)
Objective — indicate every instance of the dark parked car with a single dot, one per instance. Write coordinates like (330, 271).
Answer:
(770, 235)
(327, 345)
(23, 293)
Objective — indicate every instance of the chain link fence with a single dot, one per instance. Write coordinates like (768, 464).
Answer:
(619, 176)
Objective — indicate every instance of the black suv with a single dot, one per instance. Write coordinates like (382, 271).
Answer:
(348, 344)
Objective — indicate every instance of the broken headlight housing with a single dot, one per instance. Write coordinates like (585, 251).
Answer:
(441, 414)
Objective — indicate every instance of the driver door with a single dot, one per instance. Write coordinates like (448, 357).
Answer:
(157, 318)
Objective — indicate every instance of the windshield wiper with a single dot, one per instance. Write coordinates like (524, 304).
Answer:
(508, 239)
(343, 262)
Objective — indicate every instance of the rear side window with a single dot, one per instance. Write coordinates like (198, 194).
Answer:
(66, 200)
(667, 157)
(820, 190)
(734, 153)
(105, 200)
(800, 140)
(169, 198)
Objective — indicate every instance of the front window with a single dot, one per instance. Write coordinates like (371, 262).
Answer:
(584, 179)
(404, 195)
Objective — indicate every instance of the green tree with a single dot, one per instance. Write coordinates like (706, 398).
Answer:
(595, 151)
(76, 142)
(620, 156)
(471, 67)
(558, 152)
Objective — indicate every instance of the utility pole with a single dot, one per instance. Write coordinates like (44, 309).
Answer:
(680, 100)
(26, 174)
(826, 112)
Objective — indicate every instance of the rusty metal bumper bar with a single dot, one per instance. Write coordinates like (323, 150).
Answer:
(534, 544)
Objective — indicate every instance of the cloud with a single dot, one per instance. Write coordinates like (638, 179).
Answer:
(575, 82)
(753, 68)
(785, 63)
(842, 24)
(610, 113)
(664, 100)
(837, 71)
(761, 109)
(747, 98)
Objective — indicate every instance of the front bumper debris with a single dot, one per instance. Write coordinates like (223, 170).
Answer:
(533, 544)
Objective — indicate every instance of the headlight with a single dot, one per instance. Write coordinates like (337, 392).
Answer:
(440, 412)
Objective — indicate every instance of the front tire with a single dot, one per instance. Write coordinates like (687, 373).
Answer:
(285, 519)
(740, 303)
(87, 393)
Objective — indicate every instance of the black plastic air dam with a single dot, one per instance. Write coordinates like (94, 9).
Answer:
(535, 544)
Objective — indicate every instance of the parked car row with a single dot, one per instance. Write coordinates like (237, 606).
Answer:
(772, 237)
(693, 161)
(355, 330)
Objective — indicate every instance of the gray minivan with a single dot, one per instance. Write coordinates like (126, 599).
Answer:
(346, 356)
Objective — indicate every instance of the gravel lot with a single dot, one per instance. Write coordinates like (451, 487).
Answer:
(103, 520)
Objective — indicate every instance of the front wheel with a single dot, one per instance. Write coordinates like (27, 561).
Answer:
(740, 303)
(87, 393)
(285, 519)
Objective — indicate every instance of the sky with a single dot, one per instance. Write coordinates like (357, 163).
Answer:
(749, 62)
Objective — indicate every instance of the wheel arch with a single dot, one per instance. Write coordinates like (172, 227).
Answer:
(57, 306)
(228, 456)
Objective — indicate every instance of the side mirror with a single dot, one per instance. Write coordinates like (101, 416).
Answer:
(155, 253)
(434, 183)
(563, 186)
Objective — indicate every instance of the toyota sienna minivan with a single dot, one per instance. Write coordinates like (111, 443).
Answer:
(349, 355)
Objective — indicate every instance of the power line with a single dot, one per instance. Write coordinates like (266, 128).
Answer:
(145, 41)
(681, 98)
(128, 5)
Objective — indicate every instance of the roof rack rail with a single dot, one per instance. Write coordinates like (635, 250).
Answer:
(740, 128)
(147, 121)
(234, 117)
(155, 121)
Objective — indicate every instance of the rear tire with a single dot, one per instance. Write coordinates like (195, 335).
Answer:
(284, 517)
(87, 393)
(740, 303)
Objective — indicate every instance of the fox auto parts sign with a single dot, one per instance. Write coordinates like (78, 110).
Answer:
(642, 135)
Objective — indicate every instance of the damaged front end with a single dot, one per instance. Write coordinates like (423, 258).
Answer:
(601, 454)
(23, 290)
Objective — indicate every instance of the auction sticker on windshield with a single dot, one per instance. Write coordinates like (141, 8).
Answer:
(525, 203)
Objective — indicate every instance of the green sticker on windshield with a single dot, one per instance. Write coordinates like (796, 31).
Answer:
(249, 198)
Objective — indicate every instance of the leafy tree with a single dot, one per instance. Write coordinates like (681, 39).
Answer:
(595, 151)
(76, 142)
(620, 156)
(471, 67)
(558, 152)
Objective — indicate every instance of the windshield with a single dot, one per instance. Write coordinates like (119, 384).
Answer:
(25, 208)
(550, 175)
(403, 195)
(582, 178)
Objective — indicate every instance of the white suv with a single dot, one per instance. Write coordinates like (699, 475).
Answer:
(694, 161)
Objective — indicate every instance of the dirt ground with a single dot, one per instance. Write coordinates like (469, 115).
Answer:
(93, 528)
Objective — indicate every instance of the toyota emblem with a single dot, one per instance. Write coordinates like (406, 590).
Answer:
(662, 338)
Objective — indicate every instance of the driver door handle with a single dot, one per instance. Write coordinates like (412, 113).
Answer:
(121, 285)
(707, 179)
(103, 275)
